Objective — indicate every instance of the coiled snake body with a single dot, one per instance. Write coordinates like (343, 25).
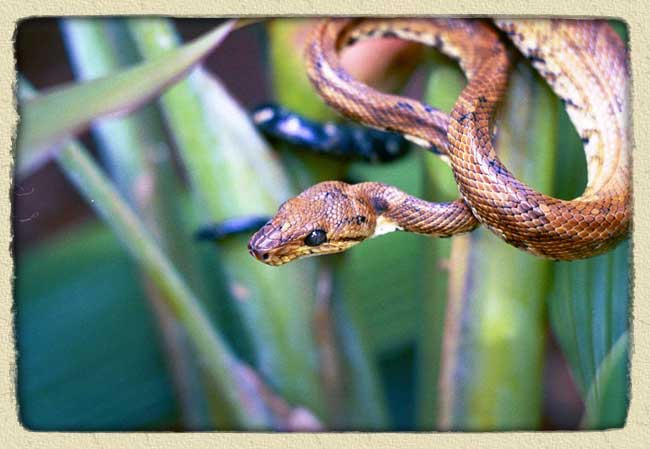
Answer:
(584, 62)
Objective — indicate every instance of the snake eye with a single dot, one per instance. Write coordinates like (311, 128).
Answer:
(315, 238)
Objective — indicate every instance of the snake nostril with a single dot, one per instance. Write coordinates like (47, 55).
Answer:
(257, 253)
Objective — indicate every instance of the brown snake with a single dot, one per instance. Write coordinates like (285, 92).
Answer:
(584, 62)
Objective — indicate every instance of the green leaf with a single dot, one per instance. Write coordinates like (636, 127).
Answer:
(589, 309)
(243, 404)
(607, 400)
(71, 319)
(49, 119)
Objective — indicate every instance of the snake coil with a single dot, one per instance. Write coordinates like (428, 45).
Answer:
(584, 62)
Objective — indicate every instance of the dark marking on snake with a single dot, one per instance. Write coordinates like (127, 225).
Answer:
(569, 102)
(439, 44)
(496, 166)
(404, 105)
(345, 76)
(380, 205)
(467, 115)
(534, 55)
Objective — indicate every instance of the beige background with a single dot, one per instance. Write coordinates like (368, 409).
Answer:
(637, 430)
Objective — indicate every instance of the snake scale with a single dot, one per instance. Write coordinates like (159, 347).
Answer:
(585, 64)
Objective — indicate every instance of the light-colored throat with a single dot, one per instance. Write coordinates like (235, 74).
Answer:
(385, 225)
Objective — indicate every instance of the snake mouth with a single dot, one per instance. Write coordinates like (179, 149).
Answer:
(262, 248)
(267, 246)
(282, 254)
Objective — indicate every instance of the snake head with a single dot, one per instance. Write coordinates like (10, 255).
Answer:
(324, 219)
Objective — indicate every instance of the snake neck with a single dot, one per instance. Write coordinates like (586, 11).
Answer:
(396, 210)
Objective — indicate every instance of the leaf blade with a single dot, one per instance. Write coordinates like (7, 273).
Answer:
(49, 119)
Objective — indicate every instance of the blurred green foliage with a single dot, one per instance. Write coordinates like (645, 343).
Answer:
(356, 340)
(89, 357)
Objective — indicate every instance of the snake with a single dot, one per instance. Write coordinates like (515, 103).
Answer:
(584, 62)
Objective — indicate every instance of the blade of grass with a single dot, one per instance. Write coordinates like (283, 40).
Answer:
(494, 336)
(185, 307)
(275, 303)
(49, 119)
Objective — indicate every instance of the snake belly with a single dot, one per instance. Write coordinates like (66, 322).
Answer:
(584, 62)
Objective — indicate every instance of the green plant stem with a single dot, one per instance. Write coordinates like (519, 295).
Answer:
(80, 169)
(494, 338)
(443, 87)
